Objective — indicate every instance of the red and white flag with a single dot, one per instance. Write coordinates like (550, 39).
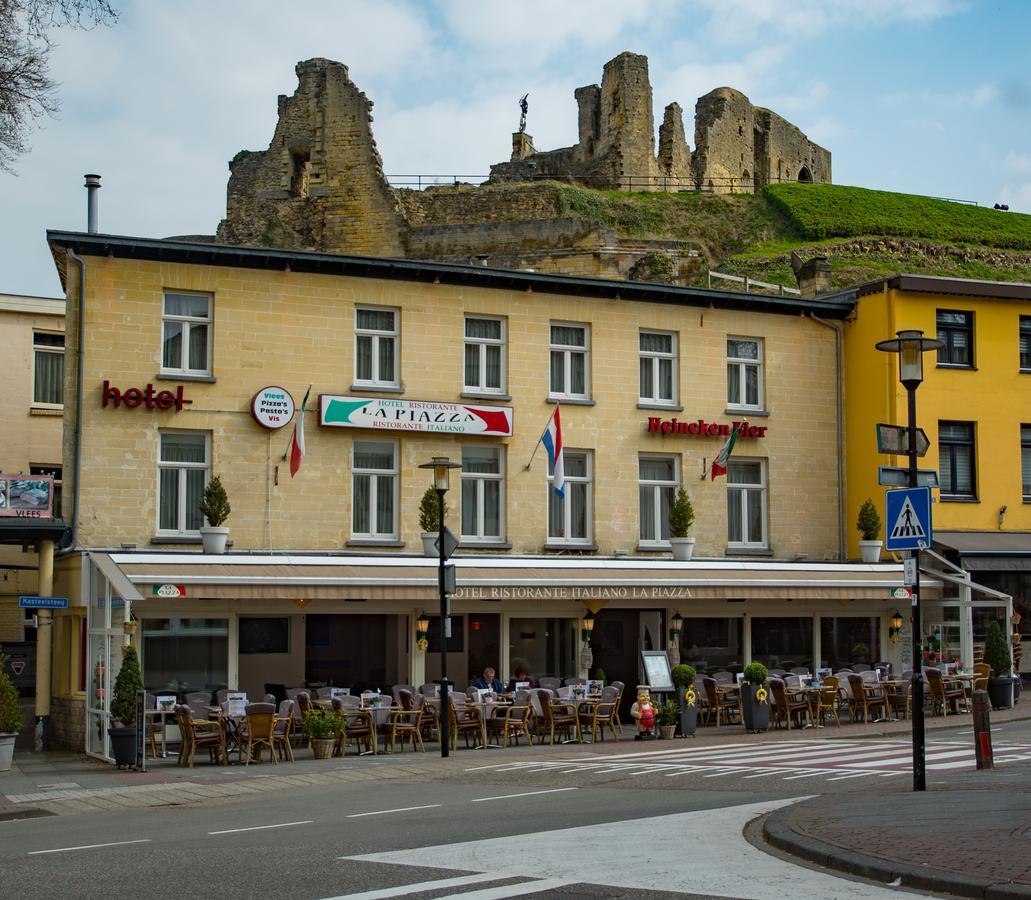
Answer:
(297, 442)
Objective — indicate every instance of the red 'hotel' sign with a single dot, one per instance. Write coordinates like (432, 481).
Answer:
(701, 428)
(148, 397)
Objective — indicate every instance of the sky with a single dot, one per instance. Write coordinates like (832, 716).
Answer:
(920, 96)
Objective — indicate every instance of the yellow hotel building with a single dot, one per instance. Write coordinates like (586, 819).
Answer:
(189, 350)
(975, 407)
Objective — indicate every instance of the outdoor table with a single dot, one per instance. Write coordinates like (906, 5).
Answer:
(164, 714)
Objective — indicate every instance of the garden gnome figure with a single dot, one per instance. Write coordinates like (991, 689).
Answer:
(643, 713)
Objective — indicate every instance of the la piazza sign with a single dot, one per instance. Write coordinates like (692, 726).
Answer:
(572, 592)
(414, 415)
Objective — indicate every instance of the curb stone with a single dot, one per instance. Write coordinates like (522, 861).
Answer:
(778, 832)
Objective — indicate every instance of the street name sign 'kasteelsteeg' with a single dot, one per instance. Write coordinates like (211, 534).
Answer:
(43, 602)
(908, 519)
(894, 439)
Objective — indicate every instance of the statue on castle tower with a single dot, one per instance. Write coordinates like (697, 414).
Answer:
(523, 107)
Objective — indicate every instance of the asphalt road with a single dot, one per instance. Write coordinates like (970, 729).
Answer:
(478, 834)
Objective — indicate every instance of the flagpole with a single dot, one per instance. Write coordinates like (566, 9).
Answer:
(526, 468)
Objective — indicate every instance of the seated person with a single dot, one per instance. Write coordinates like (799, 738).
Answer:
(488, 681)
(522, 673)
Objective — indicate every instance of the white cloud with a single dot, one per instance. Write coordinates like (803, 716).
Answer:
(1016, 196)
(976, 97)
(1018, 162)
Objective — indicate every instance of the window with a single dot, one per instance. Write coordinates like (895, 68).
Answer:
(658, 367)
(183, 470)
(956, 331)
(1025, 462)
(54, 472)
(569, 361)
(658, 484)
(374, 513)
(47, 368)
(484, 355)
(744, 373)
(1025, 343)
(569, 517)
(483, 481)
(186, 334)
(375, 347)
(746, 504)
(956, 460)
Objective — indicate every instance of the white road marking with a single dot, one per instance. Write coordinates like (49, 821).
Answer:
(516, 890)
(383, 812)
(418, 887)
(610, 853)
(526, 794)
(88, 847)
(262, 827)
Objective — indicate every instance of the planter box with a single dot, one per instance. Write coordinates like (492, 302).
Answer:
(6, 751)
(756, 713)
(870, 551)
(688, 717)
(322, 748)
(683, 548)
(213, 539)
(123, 746)
(1000, 691)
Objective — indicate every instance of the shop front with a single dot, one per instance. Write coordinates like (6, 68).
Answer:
(265, 623)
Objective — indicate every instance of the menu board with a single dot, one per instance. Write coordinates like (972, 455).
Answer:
(656, 670)
(236, 703)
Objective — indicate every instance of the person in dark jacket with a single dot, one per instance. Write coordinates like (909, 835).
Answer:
(488, 681)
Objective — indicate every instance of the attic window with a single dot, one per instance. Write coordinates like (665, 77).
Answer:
(301, 172)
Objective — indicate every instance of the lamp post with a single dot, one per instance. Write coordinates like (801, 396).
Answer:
(911, 345)
(441, 466)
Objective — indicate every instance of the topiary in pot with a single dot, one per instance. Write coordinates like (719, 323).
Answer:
(429, 520)
(868, 524)
(11, 721)
(997, 655)
(215, 507)
(681, 518)
(754, 698)
(123, 708)
(683, 675)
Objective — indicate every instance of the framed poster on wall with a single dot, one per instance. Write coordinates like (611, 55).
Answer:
(656, 670)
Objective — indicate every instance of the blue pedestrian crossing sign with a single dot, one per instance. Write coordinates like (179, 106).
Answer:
(908, 519)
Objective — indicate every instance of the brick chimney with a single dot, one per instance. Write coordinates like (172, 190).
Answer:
(813, 275)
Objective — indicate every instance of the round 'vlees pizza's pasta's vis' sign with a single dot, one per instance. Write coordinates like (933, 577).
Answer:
(272, 407)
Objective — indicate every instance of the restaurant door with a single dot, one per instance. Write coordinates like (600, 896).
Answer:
(358, 651)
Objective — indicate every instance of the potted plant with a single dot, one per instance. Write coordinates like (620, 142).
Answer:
(684, 678)
(123, 708)
(215, 506)
(755, 700)
(10, 717)
(997, 655)
(681, 518)
(868, 524)
(667, 714)
(324, 729)
(429, 520)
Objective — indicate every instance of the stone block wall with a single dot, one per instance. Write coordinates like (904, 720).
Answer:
(67, 724)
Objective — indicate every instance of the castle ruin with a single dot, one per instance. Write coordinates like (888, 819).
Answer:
(320, 184)
(739, 148)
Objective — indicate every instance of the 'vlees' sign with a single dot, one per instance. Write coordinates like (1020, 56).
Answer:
(414, 415)
(701, 428)
(148, 397)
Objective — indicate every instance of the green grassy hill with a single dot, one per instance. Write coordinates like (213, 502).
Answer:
(866, 234)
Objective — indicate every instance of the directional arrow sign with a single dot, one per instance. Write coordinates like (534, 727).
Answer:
(896, 476)
(895, 439)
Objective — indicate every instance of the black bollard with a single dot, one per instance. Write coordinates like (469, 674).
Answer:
(983, 730)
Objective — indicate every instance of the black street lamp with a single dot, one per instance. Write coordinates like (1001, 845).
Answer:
(441, 466)
(911, 346)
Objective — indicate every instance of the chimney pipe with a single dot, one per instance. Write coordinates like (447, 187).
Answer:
(92, 211)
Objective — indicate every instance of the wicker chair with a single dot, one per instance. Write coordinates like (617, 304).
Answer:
(405, 722)
(282, 730)
(788, 704)
(595, 718)
(721, 704)
(258, 730)
(199, 733)
(866, 698)
(512, 723)
(359, 726)
(560, 717)
(828, 699)
(944, 694)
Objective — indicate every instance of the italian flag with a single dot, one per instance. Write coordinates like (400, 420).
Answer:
(297, 443)
(719, 464)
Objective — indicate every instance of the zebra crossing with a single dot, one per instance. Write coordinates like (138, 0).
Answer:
(832, 760)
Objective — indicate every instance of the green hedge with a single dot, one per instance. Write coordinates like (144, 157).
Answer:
(821, 211)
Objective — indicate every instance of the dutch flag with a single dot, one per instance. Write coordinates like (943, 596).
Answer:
(552, 440)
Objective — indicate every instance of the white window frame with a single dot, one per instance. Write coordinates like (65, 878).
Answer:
(482, 344)
(46, 348)
(656, 487)
(374, 475)
(742, 365)
(189, 323)
(378, 336)
(749, 493)
(568, 351)
(180, 515)
(480, 479)
(655, 359)
(571, 481)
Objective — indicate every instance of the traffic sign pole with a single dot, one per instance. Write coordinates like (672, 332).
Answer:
(919, 744)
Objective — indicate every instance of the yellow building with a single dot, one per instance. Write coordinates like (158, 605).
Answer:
(975, 407)
(195, 361)
(32, 347)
